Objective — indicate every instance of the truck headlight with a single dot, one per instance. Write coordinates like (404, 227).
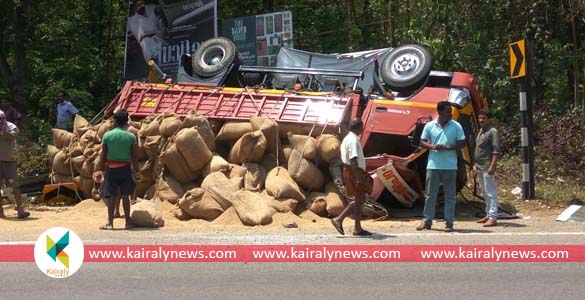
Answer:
(459, 97)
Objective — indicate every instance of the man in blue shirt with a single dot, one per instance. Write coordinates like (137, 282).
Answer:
(65, 112)
(443, 137)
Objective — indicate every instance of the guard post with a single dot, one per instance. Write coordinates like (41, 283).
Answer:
(520, 71)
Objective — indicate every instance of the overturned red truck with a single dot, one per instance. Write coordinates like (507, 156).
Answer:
(393, 90)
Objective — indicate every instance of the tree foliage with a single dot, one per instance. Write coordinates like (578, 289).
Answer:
(78, 45)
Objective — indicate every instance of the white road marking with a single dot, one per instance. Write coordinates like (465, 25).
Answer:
(293, 238)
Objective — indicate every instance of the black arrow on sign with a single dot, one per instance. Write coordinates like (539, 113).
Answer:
(519, 61)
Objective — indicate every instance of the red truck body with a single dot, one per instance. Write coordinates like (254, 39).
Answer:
(392, 122)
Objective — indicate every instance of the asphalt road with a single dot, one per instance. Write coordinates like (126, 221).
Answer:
(309, 280)
(298, 281)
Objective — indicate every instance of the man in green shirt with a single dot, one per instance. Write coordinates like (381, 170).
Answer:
(118, 156)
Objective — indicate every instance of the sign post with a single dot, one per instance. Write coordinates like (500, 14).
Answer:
(518, 70)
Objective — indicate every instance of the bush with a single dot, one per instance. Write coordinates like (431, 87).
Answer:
(31, 157)
(559, 140)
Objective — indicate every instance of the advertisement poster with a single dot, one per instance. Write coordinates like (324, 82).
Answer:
(241, 32)
(164, 30)
(260, 37)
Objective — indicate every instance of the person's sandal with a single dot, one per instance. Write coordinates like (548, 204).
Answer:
(338, 227)
(107, 227)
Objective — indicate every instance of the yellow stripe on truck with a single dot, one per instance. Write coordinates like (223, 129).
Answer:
(406, 103)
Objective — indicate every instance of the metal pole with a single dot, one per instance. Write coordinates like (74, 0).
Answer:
(527, 131)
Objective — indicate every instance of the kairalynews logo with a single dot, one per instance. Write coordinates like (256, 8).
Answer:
(59, 252)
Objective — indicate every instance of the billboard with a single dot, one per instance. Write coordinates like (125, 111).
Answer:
(164, 30)
(260, 37)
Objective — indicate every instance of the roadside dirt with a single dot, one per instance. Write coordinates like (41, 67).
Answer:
(86, 217)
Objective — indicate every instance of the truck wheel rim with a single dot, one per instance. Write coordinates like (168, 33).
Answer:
(406, 64)
(212, 56)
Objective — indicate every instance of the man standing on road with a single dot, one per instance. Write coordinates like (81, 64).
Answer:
(356, 180)
(443, 137)
(487, 152)
(65, 112)
(8, 133)
(118, 156)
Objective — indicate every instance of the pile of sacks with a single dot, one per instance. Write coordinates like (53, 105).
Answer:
(205, 167)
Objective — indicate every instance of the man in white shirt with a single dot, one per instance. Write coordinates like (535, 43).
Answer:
(356, 180)
(8, 134)
(143, 25)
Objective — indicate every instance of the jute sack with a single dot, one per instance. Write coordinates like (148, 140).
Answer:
(232, 131)
(284, 129)
(316, 203)
(198, 206)
(104, 127)
(254, 178)
(280, 205)
(169, 189)
(77, 163)
(148, 177)
(60, 178)
(149, 194)
(62, 138)
(146, 213)
(269, 161)
(80, 125)
(149, 129)
(52, 152)
(141, 150)
(85, 186)
(89, 138)
(215, 126)
(61, 163)
(269, 128)
(202, 125)
(304, 172)
(286, 150)
(92, 151)
(251, 208)
(76, 149)
(334, 204)
(152, 145)
(249, 148)
(141, 188)
(179, 213)
(193, 148)
(220, 188)
(146, 169)
(280, 185)
(135, 124)
(328, 146)
(216, 164)
(331, 187)
(236, 175)
(170, 125)
(304, 144)
(172, 159)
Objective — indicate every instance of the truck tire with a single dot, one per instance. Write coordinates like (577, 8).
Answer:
(214, 56)
(406, 68)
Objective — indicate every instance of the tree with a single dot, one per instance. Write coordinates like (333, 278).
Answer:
(14, 76)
